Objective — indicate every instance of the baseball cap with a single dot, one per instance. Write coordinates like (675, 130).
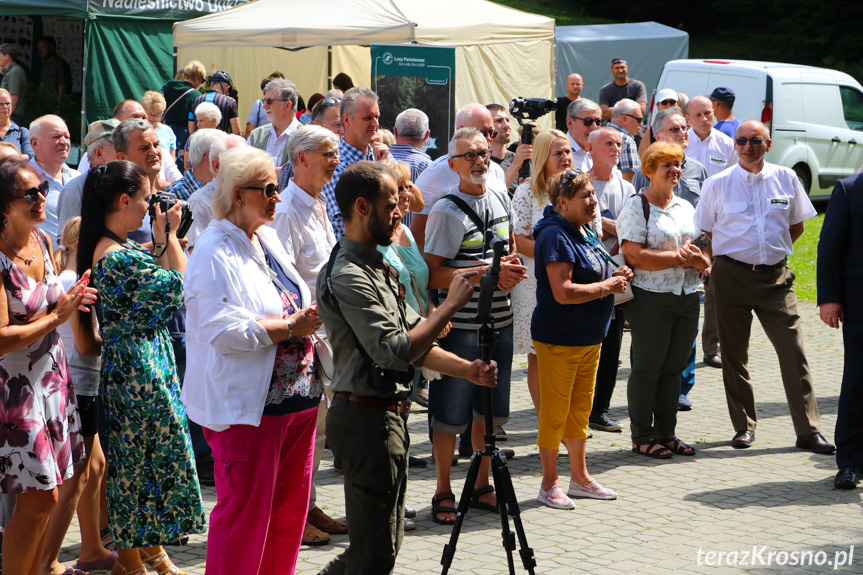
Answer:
(101, 129)
(723, 95)
(221, 77)
(667, 94)
(617, 61)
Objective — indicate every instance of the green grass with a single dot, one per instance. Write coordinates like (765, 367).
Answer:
(803, 260)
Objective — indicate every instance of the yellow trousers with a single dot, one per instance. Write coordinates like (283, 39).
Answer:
(567, 377)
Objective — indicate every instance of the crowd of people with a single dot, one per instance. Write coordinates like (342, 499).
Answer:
(330, 278)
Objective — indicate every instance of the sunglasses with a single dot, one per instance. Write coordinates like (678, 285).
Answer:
(489, 134)
(638, 119)
(754, 141)
(4, 104)
(472, 156)
(590, 121)
(569, 176)
(328, 102)
(677, 129)
(669, 102)
(270, 101)
(32, 195)
(270, 190)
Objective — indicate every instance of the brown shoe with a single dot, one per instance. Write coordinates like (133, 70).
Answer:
(314, 536)
(326, 523)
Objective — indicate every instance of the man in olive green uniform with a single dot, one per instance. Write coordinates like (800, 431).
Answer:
(371, 329)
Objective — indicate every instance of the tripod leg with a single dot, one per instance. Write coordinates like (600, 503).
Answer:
(506, 498)
(463, 506)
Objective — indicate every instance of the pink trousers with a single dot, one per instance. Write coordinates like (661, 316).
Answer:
(263, 476)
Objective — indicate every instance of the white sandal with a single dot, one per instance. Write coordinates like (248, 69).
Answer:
(547, 497)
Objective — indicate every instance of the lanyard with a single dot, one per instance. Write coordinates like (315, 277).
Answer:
(591, 238)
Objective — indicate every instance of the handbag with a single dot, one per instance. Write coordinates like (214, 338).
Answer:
(323, 360)
(627, 294)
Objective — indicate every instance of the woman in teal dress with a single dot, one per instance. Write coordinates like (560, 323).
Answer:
(153, 491)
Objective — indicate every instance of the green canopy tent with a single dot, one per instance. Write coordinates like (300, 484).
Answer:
(128, 44)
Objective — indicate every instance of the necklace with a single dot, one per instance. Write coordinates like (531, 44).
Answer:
(17, 254)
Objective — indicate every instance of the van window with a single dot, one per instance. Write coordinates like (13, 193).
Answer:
(852, 107)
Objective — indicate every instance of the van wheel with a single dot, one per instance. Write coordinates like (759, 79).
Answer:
(805, 177)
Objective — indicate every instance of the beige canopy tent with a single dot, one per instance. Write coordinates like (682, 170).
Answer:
(500, 53)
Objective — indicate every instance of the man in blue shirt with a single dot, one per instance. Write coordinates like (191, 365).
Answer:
(723, 102)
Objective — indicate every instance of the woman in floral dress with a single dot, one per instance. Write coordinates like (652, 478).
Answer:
(153, 491)
(39, 428)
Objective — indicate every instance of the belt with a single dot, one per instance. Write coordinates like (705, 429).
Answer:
(756, 267)
(388, 403)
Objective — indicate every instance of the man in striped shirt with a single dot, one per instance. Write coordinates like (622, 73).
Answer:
(456, 243)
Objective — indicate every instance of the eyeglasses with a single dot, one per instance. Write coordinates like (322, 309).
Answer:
(5, 104)
(270, 101)
(488, 134)
(754, 141)
(676, 129)
(270, 190)
(669, 102)
(638, 119)
(472, 156)
(328, 154)
(32, 195)
(590, 121)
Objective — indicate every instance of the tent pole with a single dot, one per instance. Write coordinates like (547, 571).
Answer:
(329, 68)
(84, 91)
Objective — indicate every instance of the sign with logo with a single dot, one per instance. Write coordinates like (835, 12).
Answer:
(421, 77)
(161, 9)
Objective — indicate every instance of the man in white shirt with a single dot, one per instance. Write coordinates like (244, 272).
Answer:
(582, 117)
(302, 225)
(280, 102)
(754, 212)
(438, 179)
(707, 144)
(605, 146)
(200, 202)
(49, 137)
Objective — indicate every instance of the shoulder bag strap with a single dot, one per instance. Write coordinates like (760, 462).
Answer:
(473, 218)
(645, 207)
(168, 109)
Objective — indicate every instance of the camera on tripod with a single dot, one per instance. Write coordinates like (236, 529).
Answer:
(531, 109)
(165, 201)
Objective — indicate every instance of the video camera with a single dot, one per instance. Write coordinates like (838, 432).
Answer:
(532, 109)
(165, 201)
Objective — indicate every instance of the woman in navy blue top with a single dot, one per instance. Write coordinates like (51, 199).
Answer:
(576, 278)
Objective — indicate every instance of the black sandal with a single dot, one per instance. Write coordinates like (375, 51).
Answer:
(676, 446)
(437, 507)
(661, 453)
(475, 503)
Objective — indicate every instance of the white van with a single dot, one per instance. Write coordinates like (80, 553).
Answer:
(815, 115)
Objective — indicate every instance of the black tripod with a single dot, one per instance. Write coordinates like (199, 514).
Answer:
(500, 472)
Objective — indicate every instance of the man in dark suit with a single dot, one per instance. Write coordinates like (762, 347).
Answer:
(840, 285)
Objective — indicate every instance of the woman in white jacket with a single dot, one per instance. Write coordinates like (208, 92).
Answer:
(250, 374)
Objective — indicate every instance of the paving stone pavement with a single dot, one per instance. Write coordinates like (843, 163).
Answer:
(671, 516)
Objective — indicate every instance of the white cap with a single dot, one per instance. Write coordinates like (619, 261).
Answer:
(666, 94)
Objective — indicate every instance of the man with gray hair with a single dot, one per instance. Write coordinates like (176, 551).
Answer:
(582, 117)
(280, 102)
(14, 81)
(455, 244)
(100, 150)
(201, 200)
(199, 172)
(49, 138)
(302, 225)
(438, 179)
(626, 118)
(360, 118)
(411, 131)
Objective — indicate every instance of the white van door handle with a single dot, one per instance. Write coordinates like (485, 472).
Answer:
(836, 139)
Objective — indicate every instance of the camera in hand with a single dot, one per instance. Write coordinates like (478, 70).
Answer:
(531, 109)
(165, 201)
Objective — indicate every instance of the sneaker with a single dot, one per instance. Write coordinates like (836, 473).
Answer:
(605, 423)
(410, 512)
(684, 404)
(592, 491)
(410, 525)
(547, 498)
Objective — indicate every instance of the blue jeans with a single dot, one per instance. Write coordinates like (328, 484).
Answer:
(454, 401)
